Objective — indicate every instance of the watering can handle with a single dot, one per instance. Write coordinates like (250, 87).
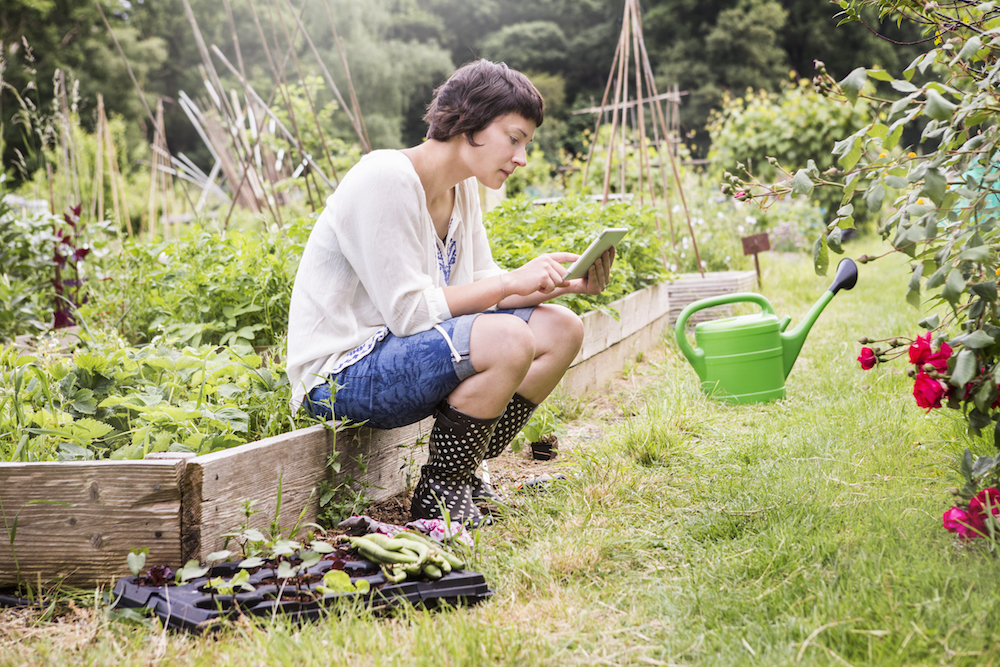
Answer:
(693, 355)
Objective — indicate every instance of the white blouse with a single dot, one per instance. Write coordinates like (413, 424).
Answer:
(372, 263)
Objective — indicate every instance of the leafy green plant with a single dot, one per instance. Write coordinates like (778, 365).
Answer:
(520, 231)
(789, 127)
(544, 426)
(339, 500)
(223, 288)
(121, 402)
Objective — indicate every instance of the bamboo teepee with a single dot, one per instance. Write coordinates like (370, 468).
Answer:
(631, 103)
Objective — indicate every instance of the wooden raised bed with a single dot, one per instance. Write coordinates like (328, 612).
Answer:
(181, 506)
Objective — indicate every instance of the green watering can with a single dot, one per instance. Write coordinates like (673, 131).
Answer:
(745, 359)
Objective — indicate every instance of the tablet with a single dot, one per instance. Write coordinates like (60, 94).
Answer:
(609, 237)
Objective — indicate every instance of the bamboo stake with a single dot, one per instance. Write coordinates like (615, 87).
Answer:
(97, 192)
(670, 155)
(625, 109)
(614, 124)
(347, 71)
(600, 115)
(673, 166)
(288, 135)
(309, 99)
(279, 81)
(365, 146)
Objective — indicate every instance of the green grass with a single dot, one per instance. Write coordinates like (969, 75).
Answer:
(805, 531)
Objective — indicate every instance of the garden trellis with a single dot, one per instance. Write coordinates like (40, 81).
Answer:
(628, 123)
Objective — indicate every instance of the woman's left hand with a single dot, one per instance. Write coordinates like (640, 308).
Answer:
(599, 274)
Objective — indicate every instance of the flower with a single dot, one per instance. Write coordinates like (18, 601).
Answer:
(867, 358)
(920, 349)
(957, 520)
(741, 194)
(977, 507)
(911, 154)
(883, 154)
(927, 391)
(939, 360)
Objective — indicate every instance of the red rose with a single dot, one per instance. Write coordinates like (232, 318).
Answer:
(957, 520)
(977, 508)
(867, 358)
(939, 360)
(920, 349)
(928, 391)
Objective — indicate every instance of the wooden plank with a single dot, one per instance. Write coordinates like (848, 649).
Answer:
(635, 311)
(105, 508)
(592, 374)
(217, 486)
(689, 288)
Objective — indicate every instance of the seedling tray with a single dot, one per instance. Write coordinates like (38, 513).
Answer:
(191, 607)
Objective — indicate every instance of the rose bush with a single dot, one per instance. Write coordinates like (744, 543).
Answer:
(939, 202)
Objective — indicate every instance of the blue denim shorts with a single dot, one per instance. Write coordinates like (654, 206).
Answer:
(402, 380)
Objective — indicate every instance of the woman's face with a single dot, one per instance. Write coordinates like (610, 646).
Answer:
(503, 149)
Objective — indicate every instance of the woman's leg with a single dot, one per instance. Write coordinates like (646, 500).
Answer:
(556, 336)
(510, 356)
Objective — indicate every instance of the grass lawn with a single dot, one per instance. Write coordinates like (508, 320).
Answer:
(805, 531)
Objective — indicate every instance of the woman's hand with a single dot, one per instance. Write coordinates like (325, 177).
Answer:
(542, 274)
(599, 274)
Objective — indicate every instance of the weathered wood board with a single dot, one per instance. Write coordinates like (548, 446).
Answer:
(691, 287)
(78, 520)
(217, 486)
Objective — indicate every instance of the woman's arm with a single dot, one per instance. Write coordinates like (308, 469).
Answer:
(536, 282)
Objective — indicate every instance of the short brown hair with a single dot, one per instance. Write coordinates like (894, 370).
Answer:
(476, 94)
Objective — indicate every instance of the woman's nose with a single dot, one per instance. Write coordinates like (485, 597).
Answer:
(521, 157)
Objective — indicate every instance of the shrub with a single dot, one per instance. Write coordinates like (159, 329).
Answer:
(794, 126)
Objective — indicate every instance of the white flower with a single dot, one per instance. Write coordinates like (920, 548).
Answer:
(677, 208)
(683, 255)
(684, 242)
(704, 264)
(750, 220)
(673, 267)
(720, 215)
(740, 228)
(728, 258)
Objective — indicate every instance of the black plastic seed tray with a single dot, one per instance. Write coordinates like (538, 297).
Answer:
(191, 606)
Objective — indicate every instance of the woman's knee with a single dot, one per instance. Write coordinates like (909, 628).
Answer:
(501, 339)
(558, 328)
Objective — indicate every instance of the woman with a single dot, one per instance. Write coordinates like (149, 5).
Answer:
(400, 307)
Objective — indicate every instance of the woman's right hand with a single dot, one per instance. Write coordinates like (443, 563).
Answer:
(542, 274)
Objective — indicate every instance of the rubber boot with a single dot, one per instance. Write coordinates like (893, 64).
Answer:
(514, 418)
(457, 445)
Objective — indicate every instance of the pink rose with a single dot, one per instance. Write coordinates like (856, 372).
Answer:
(741, 195)
(928, 391)
(867, 358)
(957, 520)
(920, 349)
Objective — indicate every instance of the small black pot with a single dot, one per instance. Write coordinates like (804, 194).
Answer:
(543, 451)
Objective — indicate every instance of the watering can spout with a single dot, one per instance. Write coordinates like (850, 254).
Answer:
(846, 278)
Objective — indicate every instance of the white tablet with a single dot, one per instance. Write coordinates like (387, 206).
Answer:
(609, 237)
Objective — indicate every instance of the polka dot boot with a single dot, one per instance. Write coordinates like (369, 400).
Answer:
(457, 445)
(513, 419)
